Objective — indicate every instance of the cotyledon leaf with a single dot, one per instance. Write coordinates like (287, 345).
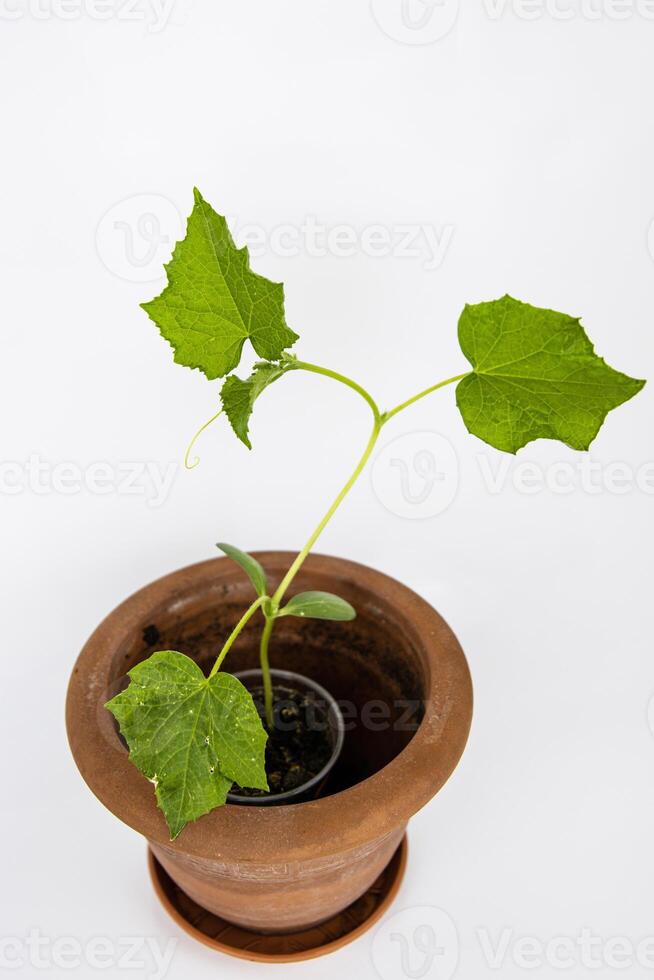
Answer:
(191, 735)
(250, 566)
(319, 605)
(214, 302)
(535, 375)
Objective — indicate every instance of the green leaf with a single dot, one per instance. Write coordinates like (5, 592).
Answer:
(214, 302)
(536, 376)
(319, 605)
(250, 566)
(192, 736)
(238, 397)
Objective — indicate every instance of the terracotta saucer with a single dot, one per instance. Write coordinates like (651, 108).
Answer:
(331, 935)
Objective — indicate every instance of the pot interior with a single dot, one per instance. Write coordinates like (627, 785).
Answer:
(370, 666)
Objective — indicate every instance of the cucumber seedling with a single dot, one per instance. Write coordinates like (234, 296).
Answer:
(532, 374)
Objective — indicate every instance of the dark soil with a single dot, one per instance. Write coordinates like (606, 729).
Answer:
(151, 635)
(300, 743)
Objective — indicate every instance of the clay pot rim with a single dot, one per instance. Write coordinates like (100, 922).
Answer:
(295, 832)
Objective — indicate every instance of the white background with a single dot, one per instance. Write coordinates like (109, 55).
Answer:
(530, 139)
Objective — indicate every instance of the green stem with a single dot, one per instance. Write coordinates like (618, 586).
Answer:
(421, 394)
(295, 567)
(379, 421)
(265, 670)
(316, 369)
(247, 615)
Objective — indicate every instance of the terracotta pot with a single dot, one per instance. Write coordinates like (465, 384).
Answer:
(403, 684)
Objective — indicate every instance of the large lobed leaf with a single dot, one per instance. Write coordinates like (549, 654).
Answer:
(535, 376)
(192, 736)
(214, 302)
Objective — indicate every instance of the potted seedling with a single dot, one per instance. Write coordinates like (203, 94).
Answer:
(173, 704)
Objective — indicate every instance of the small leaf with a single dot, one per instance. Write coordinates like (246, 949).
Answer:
(536, 376)
(214, 302)
(238, 397)
(192, 736)
(319, 605)
(250, 566)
